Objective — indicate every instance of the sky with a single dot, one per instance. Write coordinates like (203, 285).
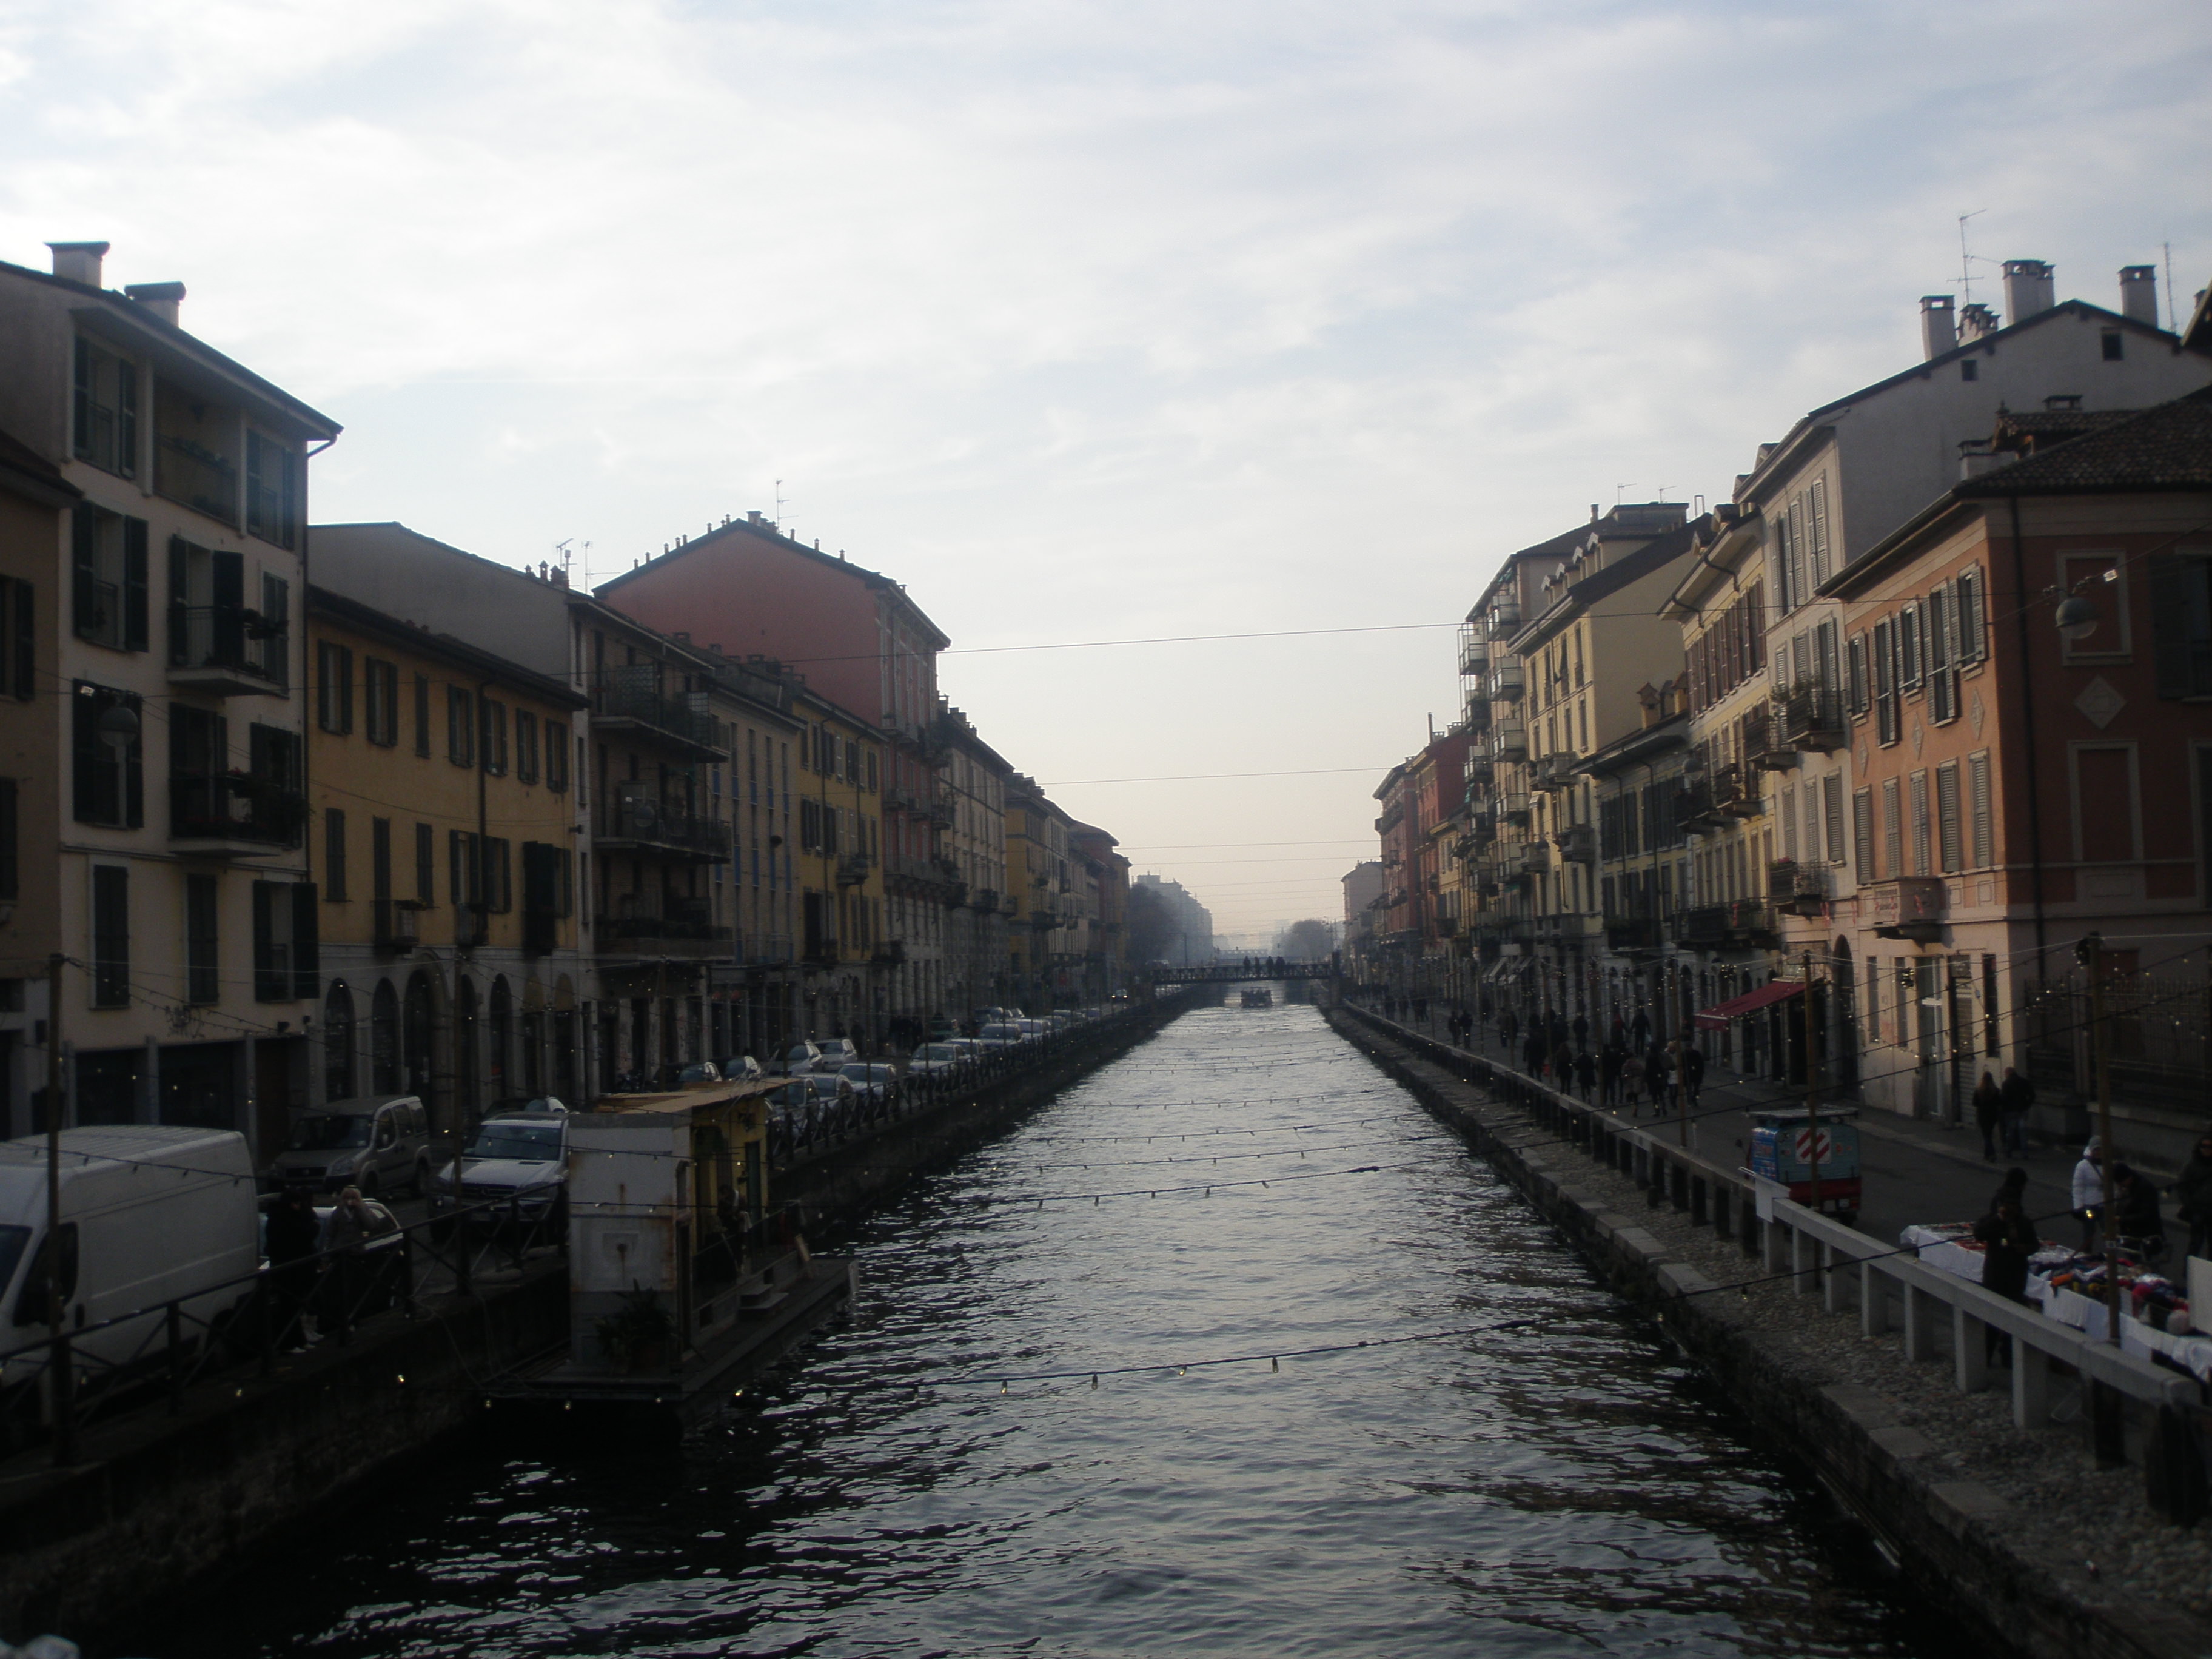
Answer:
(1099, 321)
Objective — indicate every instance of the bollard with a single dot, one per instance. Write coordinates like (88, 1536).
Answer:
(1833, 1295)
(1919, 1324)
(2031, 1387)
(1874, 1301)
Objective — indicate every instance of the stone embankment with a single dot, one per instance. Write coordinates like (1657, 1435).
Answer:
(2023, 1534)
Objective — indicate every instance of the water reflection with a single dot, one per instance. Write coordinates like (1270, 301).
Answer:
(1555, 1490)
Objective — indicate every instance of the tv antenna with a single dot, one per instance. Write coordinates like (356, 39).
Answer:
(778, 504)
(1966, 259)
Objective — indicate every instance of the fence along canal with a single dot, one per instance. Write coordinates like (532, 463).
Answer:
(1549, 1480)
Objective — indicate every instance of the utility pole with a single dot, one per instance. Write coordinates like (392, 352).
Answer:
(2092, 952)
(61, 1403)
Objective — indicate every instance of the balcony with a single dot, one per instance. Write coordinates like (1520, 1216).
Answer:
(1694, 809)
(1800, 889)
(1535, 858)
(769, 950)
(1764, 746)
(680, 927)
(1509, 741)
(1514, 808)
(1812, 719)
(1503, 619)
(853, 869)
(397, 922)
(1477, 717)
(1577, 843)
(1910, 907)
(233, 815)
(889, 953)
(1474, 659)
(628, 701)
(1633, 933)
(1508, 682)
(1553, 772)
(226, 651)
(1715, 927)
(637, 823)
(1735, 793)
(983, 900)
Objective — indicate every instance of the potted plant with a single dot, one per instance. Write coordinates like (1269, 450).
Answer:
(638, 1335)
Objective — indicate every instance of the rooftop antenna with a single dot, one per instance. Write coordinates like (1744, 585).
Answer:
(2172, 326)
(778, 504)
(1620, 491)
(1660, 494)
(1966, 259)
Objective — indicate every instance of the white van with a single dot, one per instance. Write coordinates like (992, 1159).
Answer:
(148, 1215)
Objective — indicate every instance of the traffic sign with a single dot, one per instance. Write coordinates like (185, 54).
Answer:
(1806, 1153)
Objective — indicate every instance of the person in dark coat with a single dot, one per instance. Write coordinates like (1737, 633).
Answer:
(1609, 1071)
(1532, 1052)
(1563, 1066)
(1640, 1029)
(2008, 1242)
(294, 1232)
(1988, 1104)
(1586, 1073)
(2016, 1099)
(2192, 1198)
(2135, 1204)
(1692, 1064)
(1659, 1078)
(2014, 1187)
(1581, 1028)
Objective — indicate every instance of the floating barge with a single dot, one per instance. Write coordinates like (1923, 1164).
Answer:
(681, 1281)
(1259, 997)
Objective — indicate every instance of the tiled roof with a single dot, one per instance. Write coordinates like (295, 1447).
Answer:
(2168, 447)
(2030, 431)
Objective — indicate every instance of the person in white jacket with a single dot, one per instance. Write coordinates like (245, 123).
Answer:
(2089, 1193)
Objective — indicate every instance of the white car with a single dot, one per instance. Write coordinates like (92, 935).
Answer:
(874, 1083)
(1002, 1034)
(799, 1058)
(936, 1057)
(837, 1053)
(515, 1167)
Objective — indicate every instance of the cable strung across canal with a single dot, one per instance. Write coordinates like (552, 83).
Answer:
(1024, 1441)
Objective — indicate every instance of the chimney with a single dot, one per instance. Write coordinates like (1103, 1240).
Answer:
(1975, 321)
(1939, 324)
(2028, 288)
(161, 299)
(79, 262)
(2139, 294)
(753, 517)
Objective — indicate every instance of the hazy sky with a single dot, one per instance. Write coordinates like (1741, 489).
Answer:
(1098, 320)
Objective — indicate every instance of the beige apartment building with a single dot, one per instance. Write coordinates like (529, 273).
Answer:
(154, 724)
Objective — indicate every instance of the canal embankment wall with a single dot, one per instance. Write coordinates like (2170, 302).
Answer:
(159, 1499)
(2041, 1539)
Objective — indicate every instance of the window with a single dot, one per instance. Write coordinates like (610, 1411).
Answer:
(460, 726)
(422, 715)
(194, 452)
(107, 772)
(494, 737)
(108, 569)
(1854, 681)
(272, 490)
(284, 965)
(1832, 801)
(379, 861)
(18, 638)
(111, 936)
(1862, 833)
(203, 976)
(379, 685)
(1970, 370)
(1789, 823)
(525, 746)
(199, 764)
(1970, 621)
(1885, 721)
(1921, 825)
(1908, 648)
(499, 875)
(1942, 672)
(276, 784)
(426, 866)
(333, 688)
(556, 756)
(461, 867)
(271, 629)
(1892, 831)
(8, 839)
(104, 413)
(2181, 624)
(334, 855)
(1947, 838)
(2114, 345)
(1980, 804)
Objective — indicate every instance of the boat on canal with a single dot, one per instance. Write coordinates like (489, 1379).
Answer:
(682, 1279)
(1258, 996)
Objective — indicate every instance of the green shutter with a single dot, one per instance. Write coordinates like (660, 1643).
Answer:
(84, 570)
(306, 966)
(2169, 611)
(134, 584)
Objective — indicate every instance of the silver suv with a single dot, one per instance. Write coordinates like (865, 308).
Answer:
(514, 1168)
(379, 1143)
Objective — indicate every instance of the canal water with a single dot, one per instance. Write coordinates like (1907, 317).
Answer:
(1562, 1487)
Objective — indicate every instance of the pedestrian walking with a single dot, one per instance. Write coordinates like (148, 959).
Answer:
(293, 1235)
(1563, 1065)
(1692, 1065)
(1586, 1073)
(1581, 1028)
(2136, 1218)
(2007, 1242)
(1631, 1082)
(2192, 1198)
(2089, 1194)
(1608, 1068)
(1658, 1079)
(1640, 1029)
(1531, 1054)
(2016, 1099)
(1989, 1107)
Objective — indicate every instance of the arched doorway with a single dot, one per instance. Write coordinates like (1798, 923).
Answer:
(418, 1027)
(337, 1042)
(384, 1039)
(468, 1079)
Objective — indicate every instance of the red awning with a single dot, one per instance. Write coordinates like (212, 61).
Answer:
(1716, 1018)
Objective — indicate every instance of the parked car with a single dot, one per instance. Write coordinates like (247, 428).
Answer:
(514, 1168)
(805, 1096)
(874, 1083)
(154, 1214)
(741, 1068)
(799, 1058)
(937, 1057)
(1002, 1034)
(837, 1053)
(377, 1143)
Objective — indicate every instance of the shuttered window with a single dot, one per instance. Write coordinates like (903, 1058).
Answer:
(203, 941)
(108, 772)
(1947, 817)
(1862, 832)
(1923, 825)
(1892, 831)
(1971, 622)
(333, 688)
(108, 578)
(1983, 809)
(111, 936)
(284, 956)
(18, 638)
(334, 855)
(1831, 803)
(2181, 622)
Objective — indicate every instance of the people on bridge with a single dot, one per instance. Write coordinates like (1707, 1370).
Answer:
(2089, 1193)
(1659, 1077)
(1988, 1111)
(1640, 1029)
(1631, 1082)
(1563, 1065)
(1586, 1074)
(2008, 1241)
(2016, 1100)
(1608, 1074)
(1581, 1028)
(2136, 1215)
(1692, 1066)
(293, 1235)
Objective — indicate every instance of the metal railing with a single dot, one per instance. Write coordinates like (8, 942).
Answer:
(233, 637)
(207, 806)
(633, 692)
(640, 818)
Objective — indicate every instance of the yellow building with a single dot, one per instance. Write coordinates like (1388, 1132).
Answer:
(440, 779)
(844, 957)
(1047, 916)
